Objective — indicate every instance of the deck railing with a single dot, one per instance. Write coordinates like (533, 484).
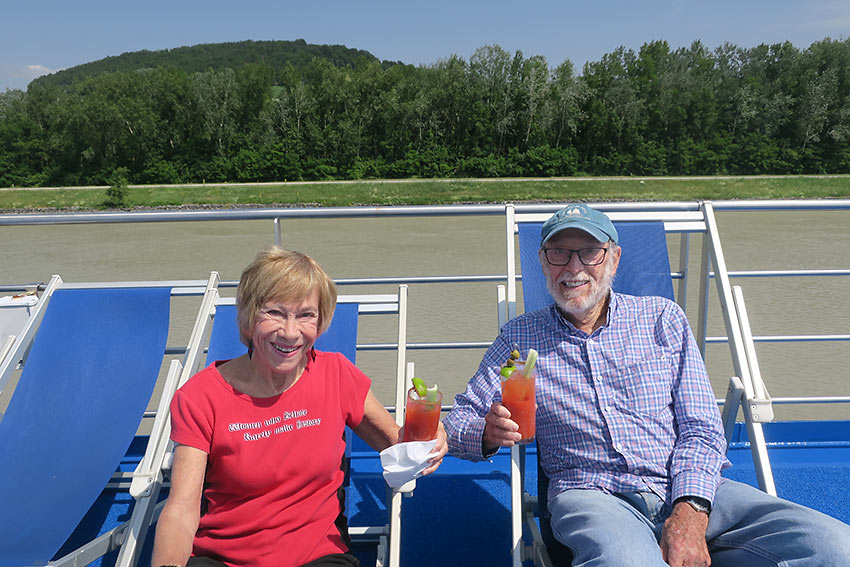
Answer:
(279, 216)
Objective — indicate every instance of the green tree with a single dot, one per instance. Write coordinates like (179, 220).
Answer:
(489, 72)
(567, 99)
(117, 192)
(216, 108)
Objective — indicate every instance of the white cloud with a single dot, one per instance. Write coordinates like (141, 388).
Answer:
(19, 76)
(38, 70)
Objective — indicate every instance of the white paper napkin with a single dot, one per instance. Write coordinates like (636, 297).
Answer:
(404, 462)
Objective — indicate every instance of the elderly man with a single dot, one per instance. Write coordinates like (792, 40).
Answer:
(628, 427)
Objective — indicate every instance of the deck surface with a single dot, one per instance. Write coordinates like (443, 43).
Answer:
(461, 514)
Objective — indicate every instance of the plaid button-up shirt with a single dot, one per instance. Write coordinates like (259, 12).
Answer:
(626, 408)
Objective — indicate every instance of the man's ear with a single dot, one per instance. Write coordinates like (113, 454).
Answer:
(617, 253)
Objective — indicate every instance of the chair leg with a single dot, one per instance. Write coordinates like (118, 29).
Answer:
(381, 557)
(516, 507)
(395, 530)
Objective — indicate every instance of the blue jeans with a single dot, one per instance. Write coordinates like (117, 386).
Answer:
(746, 527)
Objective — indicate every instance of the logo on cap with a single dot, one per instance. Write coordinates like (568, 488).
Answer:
(582, 217)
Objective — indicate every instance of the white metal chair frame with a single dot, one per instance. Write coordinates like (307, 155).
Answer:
(14, 347)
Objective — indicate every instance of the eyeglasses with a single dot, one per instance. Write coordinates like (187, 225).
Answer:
(587, 256)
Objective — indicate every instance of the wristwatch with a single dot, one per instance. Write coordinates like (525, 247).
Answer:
(697, 503)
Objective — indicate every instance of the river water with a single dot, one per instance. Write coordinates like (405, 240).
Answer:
(427, 246)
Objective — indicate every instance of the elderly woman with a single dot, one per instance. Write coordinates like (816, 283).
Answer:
(260, 437)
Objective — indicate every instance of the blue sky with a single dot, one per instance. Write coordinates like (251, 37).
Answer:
(43, 36)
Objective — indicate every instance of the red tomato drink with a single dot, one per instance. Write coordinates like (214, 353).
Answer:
(421, 417)
(518, 397)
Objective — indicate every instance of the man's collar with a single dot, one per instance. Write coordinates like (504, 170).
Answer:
(612, 300)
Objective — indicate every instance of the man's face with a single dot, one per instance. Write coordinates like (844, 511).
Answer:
(577, 289)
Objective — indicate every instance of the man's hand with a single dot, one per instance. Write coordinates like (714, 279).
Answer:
(499, 429)
(683, 538)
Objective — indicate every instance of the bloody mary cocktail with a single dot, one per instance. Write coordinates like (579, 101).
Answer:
(421, 417)
(518, 397)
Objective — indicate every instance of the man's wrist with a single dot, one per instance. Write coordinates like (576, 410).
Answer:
(695, 502)
(487, 451)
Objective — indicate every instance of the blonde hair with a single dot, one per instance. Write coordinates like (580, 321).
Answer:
(278, 273)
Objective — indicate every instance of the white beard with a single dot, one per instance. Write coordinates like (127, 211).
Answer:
(582, 303)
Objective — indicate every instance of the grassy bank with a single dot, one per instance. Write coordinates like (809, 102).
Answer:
(422, 192)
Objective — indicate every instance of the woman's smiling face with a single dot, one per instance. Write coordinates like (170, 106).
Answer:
(284, 334)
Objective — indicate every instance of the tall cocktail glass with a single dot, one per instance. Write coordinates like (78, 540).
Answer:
(518, 397)
(421, 417)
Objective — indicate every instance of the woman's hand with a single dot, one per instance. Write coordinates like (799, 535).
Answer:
(439, 451)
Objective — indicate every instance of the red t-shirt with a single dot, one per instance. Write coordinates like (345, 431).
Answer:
(273, 466)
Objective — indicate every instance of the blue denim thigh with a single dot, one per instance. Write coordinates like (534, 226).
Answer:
(749, 527)
(604, 529)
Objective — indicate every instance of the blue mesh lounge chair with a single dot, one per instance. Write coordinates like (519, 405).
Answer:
(644, 270)
(81, 395)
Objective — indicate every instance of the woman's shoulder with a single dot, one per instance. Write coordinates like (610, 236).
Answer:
(324, 358)
(337, 366)
(205, 380)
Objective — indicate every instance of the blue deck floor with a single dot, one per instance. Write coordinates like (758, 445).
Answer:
(461, 514)
(470, 524)
(815, 473)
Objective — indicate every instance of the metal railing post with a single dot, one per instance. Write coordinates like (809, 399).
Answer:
(736, 345)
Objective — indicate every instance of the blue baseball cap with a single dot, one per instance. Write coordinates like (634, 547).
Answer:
(580, 216)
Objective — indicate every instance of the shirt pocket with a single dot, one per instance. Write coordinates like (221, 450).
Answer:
(647, 385)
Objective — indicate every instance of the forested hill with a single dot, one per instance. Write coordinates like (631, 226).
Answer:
(692, 110)
(203, 57)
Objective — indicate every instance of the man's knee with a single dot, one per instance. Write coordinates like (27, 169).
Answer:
(824, 540)
(746, 520)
